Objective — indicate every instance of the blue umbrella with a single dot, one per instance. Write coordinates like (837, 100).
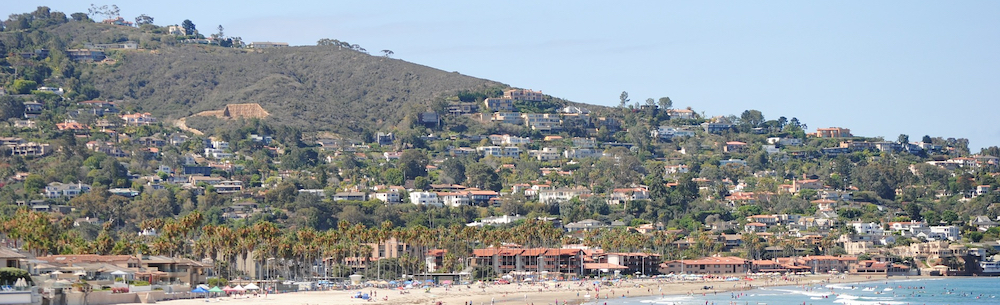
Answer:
(199, 289)
(429, 281)
(407, 282)
(393, 283)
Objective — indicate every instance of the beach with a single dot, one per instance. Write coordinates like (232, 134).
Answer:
(563, 292)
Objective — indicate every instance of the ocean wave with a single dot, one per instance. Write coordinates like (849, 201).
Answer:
(673, 299)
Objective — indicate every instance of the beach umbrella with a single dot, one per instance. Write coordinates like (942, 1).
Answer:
(239, 288)
(228, 289)
(80, 273)
(251, 286)
(446, 282)
(200, 289)
(21, 283)
(428, 281)
(393, 282)
(216, 289)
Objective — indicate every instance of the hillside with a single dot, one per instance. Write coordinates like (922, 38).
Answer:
(321, 88)
(315, 88)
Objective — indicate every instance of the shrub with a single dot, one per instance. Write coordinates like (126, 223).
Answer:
(10, 275)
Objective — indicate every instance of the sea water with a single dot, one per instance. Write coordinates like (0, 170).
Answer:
(964, 290)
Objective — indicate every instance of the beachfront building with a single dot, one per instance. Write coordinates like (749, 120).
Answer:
(707, 265)
(530, 261)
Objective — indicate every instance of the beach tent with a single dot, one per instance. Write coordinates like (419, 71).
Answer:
(251, 286)
(239, 288)
(228, 289)
(216, 289)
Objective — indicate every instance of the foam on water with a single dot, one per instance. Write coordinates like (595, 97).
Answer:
(941, 291)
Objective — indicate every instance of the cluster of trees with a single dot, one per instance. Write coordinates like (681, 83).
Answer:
(327, 42)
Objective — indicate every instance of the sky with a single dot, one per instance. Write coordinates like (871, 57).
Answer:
(879, 68)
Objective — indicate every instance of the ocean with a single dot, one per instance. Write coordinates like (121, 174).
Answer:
(963, 290)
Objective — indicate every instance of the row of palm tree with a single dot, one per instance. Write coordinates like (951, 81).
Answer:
(305, 252)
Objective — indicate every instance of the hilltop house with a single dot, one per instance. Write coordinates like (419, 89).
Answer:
(138, 119)
(523, 95)
(561, 195)
(57, 190)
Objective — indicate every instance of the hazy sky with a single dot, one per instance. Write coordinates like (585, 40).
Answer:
(880, 68)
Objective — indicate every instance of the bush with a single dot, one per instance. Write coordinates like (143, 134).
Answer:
(21, 86)
(10, 275)
(217, 282)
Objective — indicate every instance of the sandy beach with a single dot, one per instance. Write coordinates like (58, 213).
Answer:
(534, 293)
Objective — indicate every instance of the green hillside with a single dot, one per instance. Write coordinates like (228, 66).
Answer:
(322, 88)
(315, 88)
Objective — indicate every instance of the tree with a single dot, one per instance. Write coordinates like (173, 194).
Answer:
(650, 102)
(109, 12)
(220, 34)
(188, 26)
(80, 17)
(903, 139)
(453, 169)
(421, 183)
(387, 52)
(393, 176)
(21, 86)
(752, 118)
(624, 99)
(143, 20)
(927, 139)
(913, 210)
(483, 176)
(10, 107)
(413, 162)
(665, 103)
(33, 184)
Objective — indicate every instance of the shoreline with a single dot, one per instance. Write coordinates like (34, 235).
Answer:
(576, 292)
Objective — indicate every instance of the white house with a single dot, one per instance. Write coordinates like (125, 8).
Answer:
(500, 151)
(868, 228)
(546, 154)
(454, 199)
(560, 195)
(951, 233)
(56, 190)
(389, 197)
(495, 220)
(425, 198)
